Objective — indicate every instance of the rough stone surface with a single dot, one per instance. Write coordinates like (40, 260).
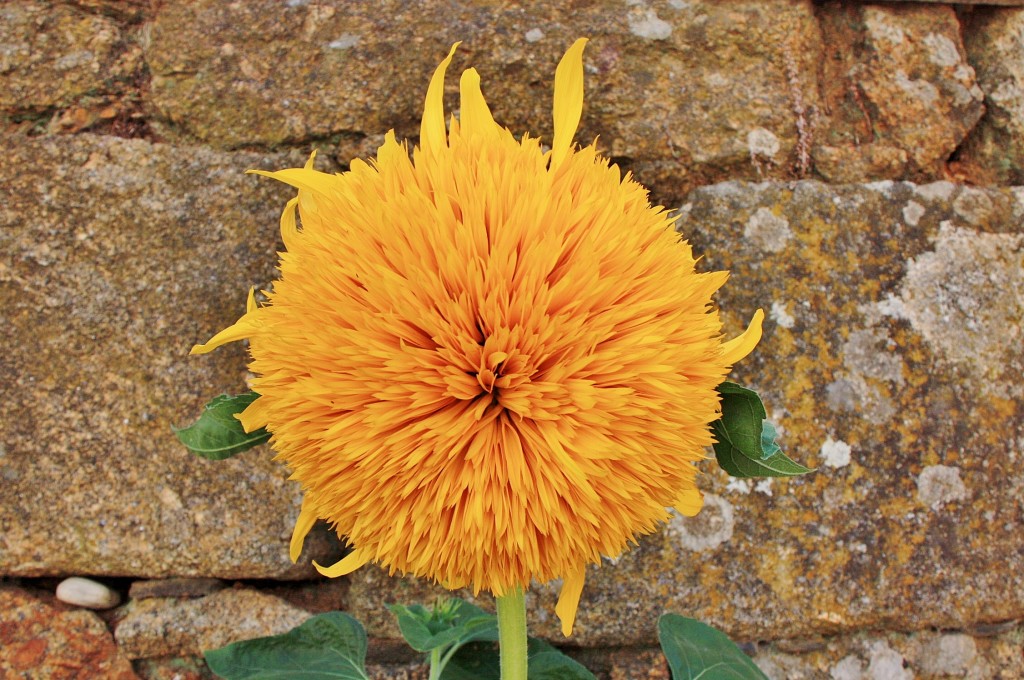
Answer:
(995, 45)
(896, 373)
(175, 587)
(675, 88)
(55, 55)
(924, 655)
(115, 257)
(161, 627)
(899, 95)
(53, 641)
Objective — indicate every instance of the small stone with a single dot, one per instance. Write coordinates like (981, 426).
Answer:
(83, 592)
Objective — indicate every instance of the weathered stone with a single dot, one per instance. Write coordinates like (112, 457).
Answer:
(54, 55)
(697, 88)
(39, 640)
(84, 592)
(187, 668)
(891, 359)
(175, 587)
(162, 627)
(924, 655)
(995, 44)
(115, 257)
(898, 93)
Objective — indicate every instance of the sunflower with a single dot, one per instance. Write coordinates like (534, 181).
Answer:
(486, 363)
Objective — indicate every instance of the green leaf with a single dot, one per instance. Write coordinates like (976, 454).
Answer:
(218, 434)
(480, 661)
(746, 445)
(454, 622)
(329, 646)
(696, 650)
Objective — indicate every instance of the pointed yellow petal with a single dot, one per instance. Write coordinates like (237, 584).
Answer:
(568, 106)
(475, 116)
(689, 502)
(254, 416)
(289, 230)
(307, 518)
(569, 599)
(432, 134)
(241, 329)
(744, 343)
(309, 163)
(347, 565)
(250, 302)
(305, 179)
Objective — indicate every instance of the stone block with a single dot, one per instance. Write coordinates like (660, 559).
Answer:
(43, 640)
(898, 96)
(115, 257)
(994, 152)
(695, 89)
(53, 55)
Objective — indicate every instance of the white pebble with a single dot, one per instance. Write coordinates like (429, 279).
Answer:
(83, 592)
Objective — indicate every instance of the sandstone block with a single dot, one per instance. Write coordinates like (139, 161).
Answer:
(708, 87)
(995, 44)
(115, 257)
(38, 640)
(160, 627)
(54, 55)
(899, 95)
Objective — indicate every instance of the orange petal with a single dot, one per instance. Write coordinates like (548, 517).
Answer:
(241, 329)
(743, 344)
(307, 518)
(689, 502)
(569, 599)
(432, 132)
(568, 105)
(347, 565)
(475, 116)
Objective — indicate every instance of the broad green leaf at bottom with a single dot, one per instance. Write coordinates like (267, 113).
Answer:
(696, 651)
(329, 646)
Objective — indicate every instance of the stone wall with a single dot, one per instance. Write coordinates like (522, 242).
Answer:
(854, 166)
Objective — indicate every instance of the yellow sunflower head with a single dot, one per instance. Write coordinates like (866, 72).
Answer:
(487, 363)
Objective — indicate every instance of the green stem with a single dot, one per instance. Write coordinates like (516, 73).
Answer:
(435, 663)
(512, 634)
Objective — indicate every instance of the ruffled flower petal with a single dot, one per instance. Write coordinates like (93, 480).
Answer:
(345, 566)
(240, 330)
(569, 599)
(432, 131)
(568, 105)
(690, 502)
(307, 518)
(744, 343)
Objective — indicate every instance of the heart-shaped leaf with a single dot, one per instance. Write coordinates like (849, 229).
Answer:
(218, 434)
(696, 651)
(745, 442)
(329, 646)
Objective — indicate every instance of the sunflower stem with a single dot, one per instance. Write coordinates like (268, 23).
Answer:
(512, 634)
(435, 664)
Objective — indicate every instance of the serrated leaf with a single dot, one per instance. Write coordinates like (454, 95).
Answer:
(746, 445)
(218, 434)
(695, 650)
(480, 661)
(462, 622)
(329, 646)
